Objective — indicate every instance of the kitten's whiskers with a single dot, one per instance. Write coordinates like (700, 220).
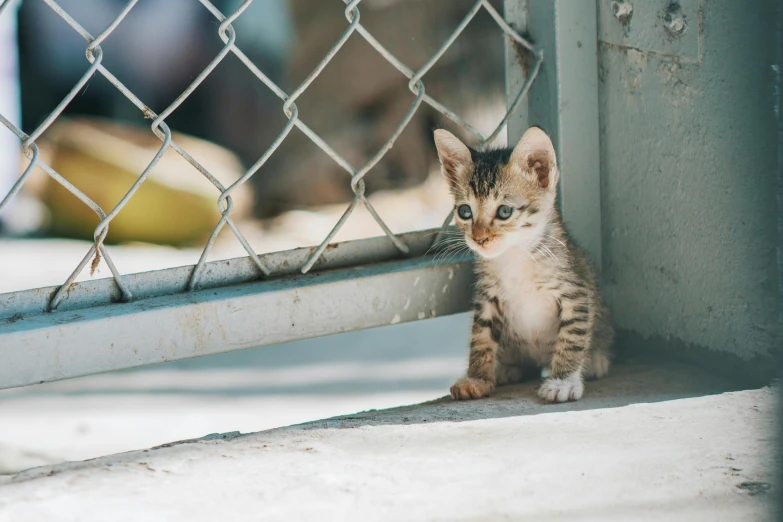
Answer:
(553, 237)
(546, 253)
(550, 252)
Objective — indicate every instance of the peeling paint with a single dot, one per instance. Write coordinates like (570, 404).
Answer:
(396, 319)
(659, 28)
(422, 315)
(445, 289)
(407, 303)
(674, 20)
(636, 65)
(675, 82)
(623, 11)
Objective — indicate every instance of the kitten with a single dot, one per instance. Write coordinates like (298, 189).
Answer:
(537, 305)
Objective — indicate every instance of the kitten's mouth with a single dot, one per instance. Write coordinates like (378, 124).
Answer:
(488, 249)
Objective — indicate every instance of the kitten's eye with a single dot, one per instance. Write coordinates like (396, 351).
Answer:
(504, 212)
(465, 212)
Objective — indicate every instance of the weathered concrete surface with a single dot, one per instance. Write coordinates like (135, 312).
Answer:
(689, 153)
(706, 458)
(251, 391)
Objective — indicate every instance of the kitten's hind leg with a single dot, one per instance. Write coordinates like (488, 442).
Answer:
(596, 366)
(506, 374)
(519, 368)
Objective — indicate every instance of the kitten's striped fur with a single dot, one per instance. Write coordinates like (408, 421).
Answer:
(537, 305)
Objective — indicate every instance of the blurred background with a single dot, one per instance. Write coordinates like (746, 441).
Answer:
(102, 142)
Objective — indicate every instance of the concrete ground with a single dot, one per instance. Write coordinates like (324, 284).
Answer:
(509, 457)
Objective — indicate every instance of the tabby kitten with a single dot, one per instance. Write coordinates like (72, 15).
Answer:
(537, 306)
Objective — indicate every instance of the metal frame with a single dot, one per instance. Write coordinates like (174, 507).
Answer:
(359, 284)
(564, 102)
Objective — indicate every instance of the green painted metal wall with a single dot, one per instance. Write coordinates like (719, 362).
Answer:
(689, 163)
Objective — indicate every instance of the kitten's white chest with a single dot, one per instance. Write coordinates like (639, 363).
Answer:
(531, 311)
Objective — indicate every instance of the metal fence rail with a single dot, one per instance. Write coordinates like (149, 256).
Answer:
(94, 55)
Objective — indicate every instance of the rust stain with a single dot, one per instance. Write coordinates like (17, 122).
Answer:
(70, 289)
(95, 262)
(525, 58)
(14, 318)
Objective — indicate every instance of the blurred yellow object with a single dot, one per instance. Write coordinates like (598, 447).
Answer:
(176, 205)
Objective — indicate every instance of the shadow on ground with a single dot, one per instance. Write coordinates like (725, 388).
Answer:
(632, 381)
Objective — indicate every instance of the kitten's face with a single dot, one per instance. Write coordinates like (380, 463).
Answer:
(502, 198)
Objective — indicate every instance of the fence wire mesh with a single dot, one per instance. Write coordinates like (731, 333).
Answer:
(227, 33)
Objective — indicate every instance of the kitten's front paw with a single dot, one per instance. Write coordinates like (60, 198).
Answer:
(561, 390)
(468, 388)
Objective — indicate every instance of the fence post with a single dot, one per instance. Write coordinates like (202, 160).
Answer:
(518, 62)
(564, 102)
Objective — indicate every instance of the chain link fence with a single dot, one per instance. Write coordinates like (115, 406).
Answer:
(227, 33)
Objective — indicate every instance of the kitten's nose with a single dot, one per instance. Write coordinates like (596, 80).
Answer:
(481, 236)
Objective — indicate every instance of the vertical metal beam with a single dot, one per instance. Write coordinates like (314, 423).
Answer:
(518, 63)
(564, 102)
(779, 113)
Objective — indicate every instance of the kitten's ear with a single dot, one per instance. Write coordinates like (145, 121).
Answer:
(534, 155)
(454, 156)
